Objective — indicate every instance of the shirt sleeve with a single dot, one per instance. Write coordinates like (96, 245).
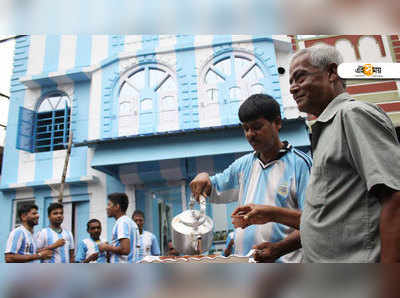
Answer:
(122, 230)
(155, 249)
(225, 185)
(81, 253)
(14, 242)
(373, 145)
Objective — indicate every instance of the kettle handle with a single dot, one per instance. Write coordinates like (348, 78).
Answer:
(202, 202)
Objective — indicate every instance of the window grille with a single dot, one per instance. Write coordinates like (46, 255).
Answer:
(52, 124)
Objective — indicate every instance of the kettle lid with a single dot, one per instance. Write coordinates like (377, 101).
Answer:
(192, 218)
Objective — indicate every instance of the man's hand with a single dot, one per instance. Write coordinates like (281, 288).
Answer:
(58, 243)
(93, 257)
(104, 247)
(267, 252)
(45, 254)
(251, 214)
(201, 186)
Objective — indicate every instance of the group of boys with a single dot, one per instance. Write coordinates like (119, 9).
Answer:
(54, 244)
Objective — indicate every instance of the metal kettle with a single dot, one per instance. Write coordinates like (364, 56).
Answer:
(192, 230)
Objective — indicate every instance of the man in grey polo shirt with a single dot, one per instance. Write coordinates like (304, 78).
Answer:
(352, 207)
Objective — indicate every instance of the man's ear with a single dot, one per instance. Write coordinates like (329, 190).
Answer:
(332, 72)
(278, 123)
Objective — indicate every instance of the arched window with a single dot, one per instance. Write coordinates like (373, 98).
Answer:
(227, 80)
(152, 92)
(52, 123)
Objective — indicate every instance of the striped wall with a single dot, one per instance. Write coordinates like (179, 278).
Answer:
(90, 70)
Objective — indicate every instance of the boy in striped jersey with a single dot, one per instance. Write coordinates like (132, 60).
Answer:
(275, 174)
(55, 238)
(125, 234)
(148, 242)
(21, 245)
(88, 249)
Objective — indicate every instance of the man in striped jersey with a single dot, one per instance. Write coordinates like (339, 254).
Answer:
(148, 242)
(88, 249)
(125, 234)
(55, 238)
(274, 174)
(21, 245)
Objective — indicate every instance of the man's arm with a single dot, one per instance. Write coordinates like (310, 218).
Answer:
(221, 188)
(390, 226)
(253, 214)
(17, 258)
(269, 252)
(55, 245)
(123, 249)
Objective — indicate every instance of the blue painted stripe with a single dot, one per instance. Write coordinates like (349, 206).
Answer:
(83, 50)
(223, 87)
(115, 94)
(52, 53)
(186, 71)
(149, 44)
(108, 83)
(148, 120)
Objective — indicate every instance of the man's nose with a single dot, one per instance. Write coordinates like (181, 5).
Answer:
(293, 88)
(250, 133)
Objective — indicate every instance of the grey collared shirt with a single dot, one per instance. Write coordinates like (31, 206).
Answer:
(354, 148)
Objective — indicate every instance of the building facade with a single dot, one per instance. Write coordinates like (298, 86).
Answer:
(147, 113)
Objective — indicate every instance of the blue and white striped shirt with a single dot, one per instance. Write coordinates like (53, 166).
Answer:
(87, 247)
(48, 236)
(21, 242)
(125, 228)
(148, 245)
(280, 183)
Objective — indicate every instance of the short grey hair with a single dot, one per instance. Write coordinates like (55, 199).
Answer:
(321, 56)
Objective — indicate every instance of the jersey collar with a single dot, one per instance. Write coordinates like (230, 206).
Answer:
(282, 152)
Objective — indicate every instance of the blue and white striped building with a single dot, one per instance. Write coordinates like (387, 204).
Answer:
(147, 114)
